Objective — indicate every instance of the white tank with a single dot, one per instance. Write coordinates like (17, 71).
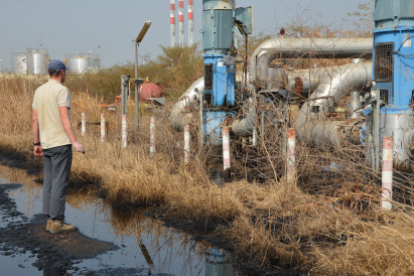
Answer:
(18, 62)
(37, 61)
(80, 63)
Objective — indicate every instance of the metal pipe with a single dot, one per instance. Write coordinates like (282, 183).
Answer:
(354, 104)
(291, 156)
(136, 89)
(301, 81)
(377, 125)
(181, 22)
(187, 144)
(247, 125)
(172, 22)
(153, 122)
(201, 114)
(190, 22)
(344, 78)
(122, 97)
(124, 131)
(306, 47)
(83, 124)
(103, 128)
(387, 172)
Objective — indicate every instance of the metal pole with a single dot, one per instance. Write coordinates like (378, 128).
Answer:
(226, 154)
(181, 22)
(122, 97)
(103, 128)
(190, 22)
(387, 172)
(172, 22)
(377, 124)
(124, 131)
(136, 90)
(153, 122)
(187, 144)
(201, 112)
(291, 155)
(83, 124)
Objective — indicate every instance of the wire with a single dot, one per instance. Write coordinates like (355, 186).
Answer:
(402, 44)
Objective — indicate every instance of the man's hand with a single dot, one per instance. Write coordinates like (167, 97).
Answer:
(79, 147)
(38, 151)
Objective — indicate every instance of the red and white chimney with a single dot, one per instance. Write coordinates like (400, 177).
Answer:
(190, 22)
(172, 22)
(181, 22)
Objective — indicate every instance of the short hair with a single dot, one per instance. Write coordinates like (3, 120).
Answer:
(54, 73)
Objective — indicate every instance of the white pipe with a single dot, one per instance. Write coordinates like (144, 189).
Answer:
(172, 22)
(226, 149)
(190, 22)
(387, 172)
(83, 124)
(103, 128)
(153, 122)
(187, 146)
(181, 22)
(124, 131)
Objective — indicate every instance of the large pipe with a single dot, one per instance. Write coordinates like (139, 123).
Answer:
(172, 22)
(179, 116)
(306, 47)
(345, 78)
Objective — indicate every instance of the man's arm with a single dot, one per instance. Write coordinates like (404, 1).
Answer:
(38, 151)
(67, 126)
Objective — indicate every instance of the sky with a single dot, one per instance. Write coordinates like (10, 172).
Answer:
(107, 27)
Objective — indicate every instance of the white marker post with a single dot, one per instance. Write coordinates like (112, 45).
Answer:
(187, 145)
(153, 122)
(226, 154)
(83, 124)
(291, 155)
(387, 172)
(124, 131)
(103, 128)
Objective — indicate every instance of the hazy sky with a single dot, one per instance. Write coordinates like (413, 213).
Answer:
(64, 26)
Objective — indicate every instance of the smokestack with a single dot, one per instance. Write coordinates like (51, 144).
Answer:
(181, 22)
(190, 22)
(172, 22)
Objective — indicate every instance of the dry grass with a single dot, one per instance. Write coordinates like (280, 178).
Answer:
(328, 224)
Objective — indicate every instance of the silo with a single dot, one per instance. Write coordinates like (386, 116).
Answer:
(37, 60)
(79, 63)
(18, 62)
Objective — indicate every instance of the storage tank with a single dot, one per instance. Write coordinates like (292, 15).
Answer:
(149, 90)
(37, 61)
(18, 62)
(79, 63)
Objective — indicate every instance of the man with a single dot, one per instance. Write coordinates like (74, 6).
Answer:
(53, 139)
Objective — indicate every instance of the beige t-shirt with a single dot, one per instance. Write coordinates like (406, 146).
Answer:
(46, 101)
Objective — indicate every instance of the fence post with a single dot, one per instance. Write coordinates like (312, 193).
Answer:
(153, 122)
(187, 146)
(387, 172)
(226, 154)
(124, 131)
(103, 128)
(291, 155)
(83, 124)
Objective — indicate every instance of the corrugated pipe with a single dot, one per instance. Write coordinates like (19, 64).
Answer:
(303, 48)
(310, 121)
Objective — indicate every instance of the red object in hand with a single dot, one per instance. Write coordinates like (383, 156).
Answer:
(149, 90)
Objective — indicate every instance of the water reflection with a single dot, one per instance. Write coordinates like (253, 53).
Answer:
(145, 244)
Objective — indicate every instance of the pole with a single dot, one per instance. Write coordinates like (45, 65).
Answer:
(387, 172)
(226, 154)
(187, 145)
(201, 113)
(136, 90)
(83, 124)
(172, 22)
(181, 22)
(190, 22)
(124, 131)
(103, 128)
(291, 158)
(153, 122)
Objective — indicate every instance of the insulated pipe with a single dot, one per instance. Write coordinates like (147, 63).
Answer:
(172, 22)
(246, 126)
(83, 124)
(345, 78)
(179, 116)
(387, 172)
(307, 80)
(190, 22)
(306, 47)
(181, 22)
(103, 128)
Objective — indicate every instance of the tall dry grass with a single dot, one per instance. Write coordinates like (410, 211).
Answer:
(324, 223)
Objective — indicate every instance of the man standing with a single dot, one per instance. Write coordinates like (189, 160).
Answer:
(53, 139)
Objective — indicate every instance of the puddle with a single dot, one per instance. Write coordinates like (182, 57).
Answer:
(139, 245)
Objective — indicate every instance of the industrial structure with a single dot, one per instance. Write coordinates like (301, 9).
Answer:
(18, 64)
(378, 83)
(181, 23)
(79, 63)
(33, 61)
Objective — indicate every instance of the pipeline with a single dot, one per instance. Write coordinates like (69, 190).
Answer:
(246, 126)
(310, 123)
(306, 47)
